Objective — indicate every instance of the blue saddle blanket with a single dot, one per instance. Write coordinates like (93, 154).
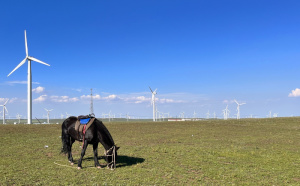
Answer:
(84, 121)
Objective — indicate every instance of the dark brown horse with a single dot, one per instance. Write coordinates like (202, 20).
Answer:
(96, 133)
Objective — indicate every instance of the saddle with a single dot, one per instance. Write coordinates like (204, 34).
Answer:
(82, 124)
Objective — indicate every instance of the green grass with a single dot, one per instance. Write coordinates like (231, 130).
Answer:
(214, 152)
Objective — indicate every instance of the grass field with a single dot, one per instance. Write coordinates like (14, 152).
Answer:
(214, 152)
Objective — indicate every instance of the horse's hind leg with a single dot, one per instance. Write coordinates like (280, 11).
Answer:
(95, 149)
(82, 154)
(70, 157)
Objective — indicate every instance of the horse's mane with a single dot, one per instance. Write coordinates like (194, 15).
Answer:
(105, 135)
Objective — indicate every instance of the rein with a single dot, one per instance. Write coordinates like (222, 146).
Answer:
(83, 136)
(113, 162)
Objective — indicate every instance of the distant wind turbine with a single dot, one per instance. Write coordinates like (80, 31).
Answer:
(207, 115)
(19, 117)
(68, 115)
(194, 115)
(153, 102)
(270, 114)
(29, 79)
(238, 109)
(48, 114)
(182, 115)
(226, 113)
(4, 108)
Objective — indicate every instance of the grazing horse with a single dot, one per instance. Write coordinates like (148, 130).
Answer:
(96, 133)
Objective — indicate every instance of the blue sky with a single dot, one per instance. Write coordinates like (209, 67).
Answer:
(200, 55)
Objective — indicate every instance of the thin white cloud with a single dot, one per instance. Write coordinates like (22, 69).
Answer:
(144, 99)
(111, 97)
(40, 99)
(63, 99)
(295, 93)
(136, 99)
(95, 97)
(12, 100)
(38, 89)
(141, 99)
(77, 90)
(226, 101)
(19, 82)
(164, 100)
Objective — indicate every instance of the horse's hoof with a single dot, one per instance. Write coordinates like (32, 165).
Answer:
(99, 167)
(78, 168)
(72, 163)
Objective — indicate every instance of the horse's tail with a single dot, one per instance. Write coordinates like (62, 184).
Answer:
(64, 138)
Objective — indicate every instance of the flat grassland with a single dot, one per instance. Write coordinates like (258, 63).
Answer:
(210, 152)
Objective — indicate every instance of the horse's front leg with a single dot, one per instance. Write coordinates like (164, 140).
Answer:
(95, 149)
(82, 154)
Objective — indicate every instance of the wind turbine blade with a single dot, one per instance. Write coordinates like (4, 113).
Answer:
(20, 64)
(151, 90)
(6, 102)
(155, 91)
(26, 48)
(6, 109)
(36, 60)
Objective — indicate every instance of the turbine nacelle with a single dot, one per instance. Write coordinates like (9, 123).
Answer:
(153, 92)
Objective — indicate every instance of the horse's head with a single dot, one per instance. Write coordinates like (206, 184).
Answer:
(111, 156)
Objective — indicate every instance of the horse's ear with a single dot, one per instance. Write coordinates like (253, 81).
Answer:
(117, 148)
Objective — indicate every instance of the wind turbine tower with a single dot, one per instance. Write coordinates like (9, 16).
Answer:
(48, 113)
(29, 79)
(4, 108)
(92, 107)
(153, 103)
(238, 109)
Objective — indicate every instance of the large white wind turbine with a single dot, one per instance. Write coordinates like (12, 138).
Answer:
(48, 114)
(4, 108)
(153, 102)
(29, 79)
(238, 109)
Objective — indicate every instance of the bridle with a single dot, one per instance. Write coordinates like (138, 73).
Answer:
(113, 162)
